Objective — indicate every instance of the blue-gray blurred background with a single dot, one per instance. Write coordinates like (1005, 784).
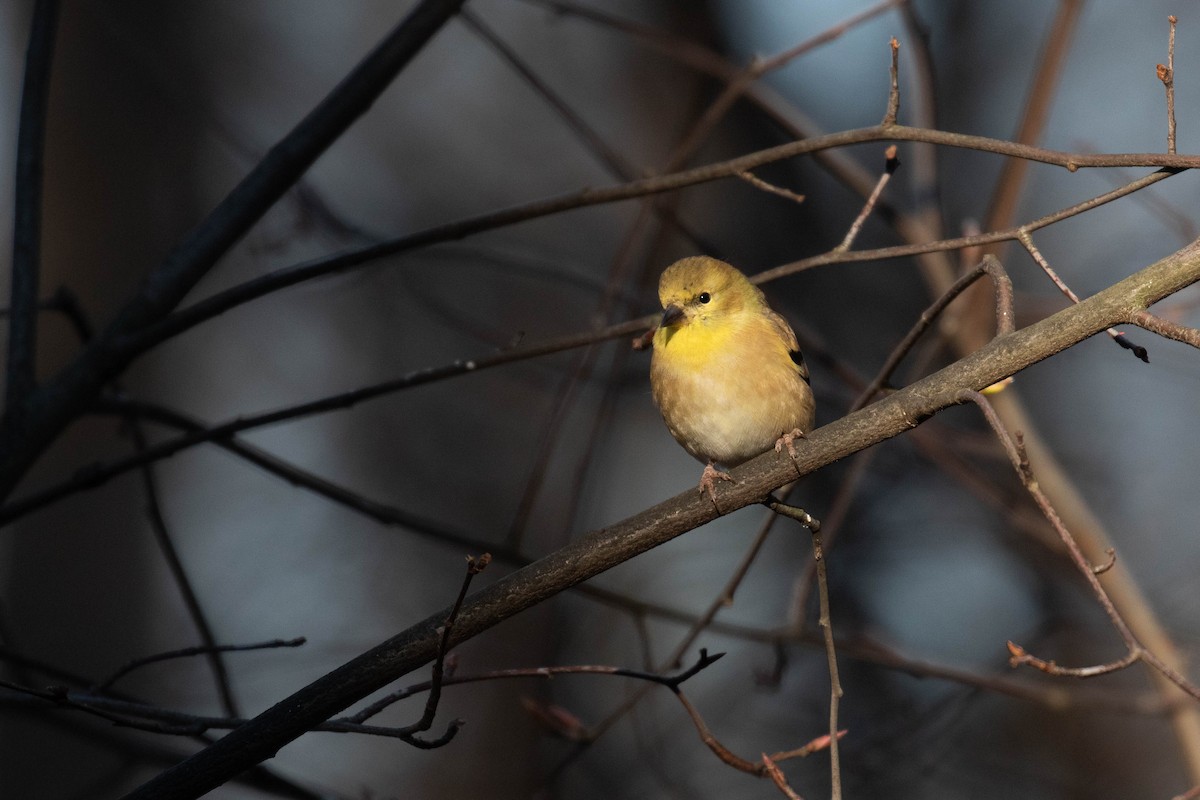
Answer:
(158, 109)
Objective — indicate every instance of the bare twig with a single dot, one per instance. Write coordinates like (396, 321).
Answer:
(991, 267)
(1117, 336)
(777, 777)
(65, 301)
(1037, 110)
(1135, 651)
(971, 241)
(1018, 657)
(701, 623)
(145, 717)
(162, 535)
(759, 183)
(122, 712)
(672, 682)
(737, 762)
(296, 476)
(188, 652)
(1166, 74)
(826, 624)
(839, 508)
(893, 105)
(1165, 328)
(892, 163)
(613, 160)
(27, 225)
(474, 567)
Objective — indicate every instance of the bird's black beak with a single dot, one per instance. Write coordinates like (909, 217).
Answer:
(671, 314)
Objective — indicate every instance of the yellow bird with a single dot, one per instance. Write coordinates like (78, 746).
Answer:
(726, 372)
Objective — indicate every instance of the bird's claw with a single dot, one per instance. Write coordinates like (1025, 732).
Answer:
(788, 440)
(708, 480)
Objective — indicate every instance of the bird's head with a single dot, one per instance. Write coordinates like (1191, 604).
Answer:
(703, 290)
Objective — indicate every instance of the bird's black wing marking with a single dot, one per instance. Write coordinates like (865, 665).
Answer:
(789, 336)
(798, 360)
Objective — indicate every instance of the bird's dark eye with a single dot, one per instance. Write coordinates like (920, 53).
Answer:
(704, 297)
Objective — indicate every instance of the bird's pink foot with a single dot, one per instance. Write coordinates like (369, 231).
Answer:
(708, 480)
(788, 441)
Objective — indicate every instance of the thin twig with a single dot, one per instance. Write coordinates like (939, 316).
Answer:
(1117, 336)
(831, 523)
(891, 164)
(1166, 74)
(166, 545)
(1050, 67)
(260, 776)
(187, 652)
(1166, 328)
(474, 567)
(65, 301)
(297, 476)
(777, 777)
(893, 104)
(739, 83)
(27, 206)
(1018, 657)
(737, 762)
(673, 682)
(759, 183)
(145, 717)
(1002, 285)
(1135, 651)
(826, 624)
(703, 622)
(126, 713)
(961, 242)
(617, 164)
(613, 160)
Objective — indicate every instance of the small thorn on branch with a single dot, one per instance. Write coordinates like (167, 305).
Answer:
(1106, 566)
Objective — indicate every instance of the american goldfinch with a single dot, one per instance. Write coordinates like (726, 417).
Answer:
(726, 372)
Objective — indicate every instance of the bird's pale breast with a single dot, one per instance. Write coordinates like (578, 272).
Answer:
(729, 399)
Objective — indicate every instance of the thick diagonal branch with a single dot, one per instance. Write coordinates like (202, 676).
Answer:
(600, 550)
